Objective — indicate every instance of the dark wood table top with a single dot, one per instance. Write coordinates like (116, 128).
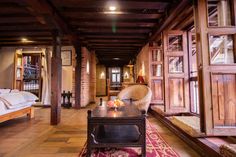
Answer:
(129, 110)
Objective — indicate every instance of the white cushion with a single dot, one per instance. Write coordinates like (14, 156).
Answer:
(15, 91)
(29, 96)
(4, 91)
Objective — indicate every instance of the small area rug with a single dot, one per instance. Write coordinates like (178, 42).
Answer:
(156, 146)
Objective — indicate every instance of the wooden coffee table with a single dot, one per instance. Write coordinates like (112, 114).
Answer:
(124, 127)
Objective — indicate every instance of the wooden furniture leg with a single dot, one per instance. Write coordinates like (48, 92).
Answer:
(30, 115)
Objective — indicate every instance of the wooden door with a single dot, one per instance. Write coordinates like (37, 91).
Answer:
(216, 48)
(156, 74)
(176, 71)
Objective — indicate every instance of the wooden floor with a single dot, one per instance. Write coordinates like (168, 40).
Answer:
(36, 138)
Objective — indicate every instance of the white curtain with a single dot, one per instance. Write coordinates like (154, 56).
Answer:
(46, 75)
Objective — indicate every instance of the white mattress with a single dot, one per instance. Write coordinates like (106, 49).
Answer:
(4, 110)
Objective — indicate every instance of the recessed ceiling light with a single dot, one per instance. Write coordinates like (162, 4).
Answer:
(24, 39)
(112, 8)
(116, 58)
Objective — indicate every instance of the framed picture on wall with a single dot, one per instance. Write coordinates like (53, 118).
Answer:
(66, 56)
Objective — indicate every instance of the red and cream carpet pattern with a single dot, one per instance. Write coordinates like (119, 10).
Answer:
(156, 147)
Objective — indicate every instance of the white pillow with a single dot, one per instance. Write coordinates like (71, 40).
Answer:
(29, 96)
(4, 91)
(14, 91)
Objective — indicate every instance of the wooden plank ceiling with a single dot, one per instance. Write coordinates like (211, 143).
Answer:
(115, 36)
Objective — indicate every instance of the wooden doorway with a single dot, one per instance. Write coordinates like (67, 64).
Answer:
(28, 73)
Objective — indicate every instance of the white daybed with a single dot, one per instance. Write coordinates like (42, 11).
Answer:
(15, 103)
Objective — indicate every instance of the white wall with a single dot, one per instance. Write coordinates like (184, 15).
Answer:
(6, 67)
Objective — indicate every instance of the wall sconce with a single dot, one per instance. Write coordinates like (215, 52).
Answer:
(126, 75)
(87, 67)
(143, 68)
(102, 75)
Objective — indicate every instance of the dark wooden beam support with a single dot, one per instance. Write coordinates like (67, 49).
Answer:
(107, 77)
(162, 25)
(56, 66)
(84, 4)
(78, 76)
(52, 17)
(108, 23)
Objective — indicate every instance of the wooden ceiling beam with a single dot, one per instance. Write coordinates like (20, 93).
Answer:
(187, 13)
(114, 47)
(32, 44)
(109, 27)
(113, 21)
(115, 51)
(22, 24)
(33, 40)
(112, 34)
(20, 34)
(161, 26)
(115, 41)
(117, 44)
(17, 19)
(11, 15)
(77, 10)
(111, 37)
(45, 8)
(25, 28)
(113, 30)
(12, 10)
(114, 55)
(74, 15)
(16, 38)
(109, 23)
(25, 31)
(104, 4)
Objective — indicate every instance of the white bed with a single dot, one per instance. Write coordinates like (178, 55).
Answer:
(15, 103)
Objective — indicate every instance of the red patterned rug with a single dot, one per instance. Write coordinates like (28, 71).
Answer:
(156, 147)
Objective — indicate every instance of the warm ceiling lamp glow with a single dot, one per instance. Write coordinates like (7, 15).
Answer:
(24, 39)
(112, 8)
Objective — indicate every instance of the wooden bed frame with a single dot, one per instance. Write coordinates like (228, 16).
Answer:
(29, 111)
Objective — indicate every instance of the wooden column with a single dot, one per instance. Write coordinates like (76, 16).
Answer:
(93, 77)
(121, 74)
(56, 66)
(107, 77)
(78, 76)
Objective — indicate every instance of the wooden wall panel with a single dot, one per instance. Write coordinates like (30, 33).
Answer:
(176, 71)
(157, 89)
(224, 99)
(176, 91)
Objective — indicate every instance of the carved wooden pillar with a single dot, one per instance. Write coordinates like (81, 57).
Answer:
(78, 76)
(56, 66)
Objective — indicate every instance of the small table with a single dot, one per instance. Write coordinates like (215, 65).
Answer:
(124, 127)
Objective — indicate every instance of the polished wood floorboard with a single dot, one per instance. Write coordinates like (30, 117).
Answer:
(36, 138)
